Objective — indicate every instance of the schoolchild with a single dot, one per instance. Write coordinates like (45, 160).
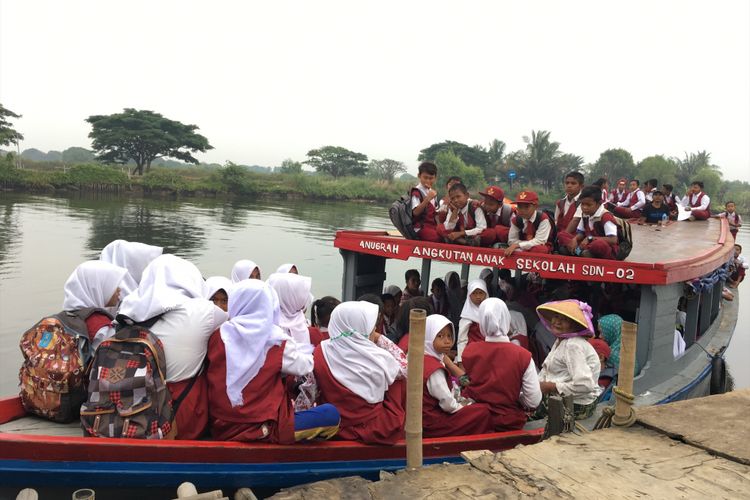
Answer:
(439, 297)
(93, 290)
(374, 298)
(465, 220)
(287, 268)
(572, 366)
(320, 315)
(423, 203)
(400, 334)
(133, 256)
(732, 217)
(618, 195)
(245, 269)
(670, 199)
(603, 183)
(395, 292)
(468, 327)
(412, 285)
(649, 188)
(530, 229)
(217, 291)
(655, 211)
(172, 290)
(444, 204)
(362, 374)
(509, 387)
(248, 359)
(293, 291)
(604, 352)
(631, 207)
(596, 234)
(738, 269)
(497, 214)
(697, 202)
(442, 414)
(567, 210)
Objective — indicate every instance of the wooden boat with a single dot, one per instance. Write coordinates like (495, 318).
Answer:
(36, 452)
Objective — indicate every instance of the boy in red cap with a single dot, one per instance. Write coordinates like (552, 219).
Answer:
(497, 214)
(530, 229)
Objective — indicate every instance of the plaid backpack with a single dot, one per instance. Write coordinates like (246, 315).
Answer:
(56, 354)
(127, 393)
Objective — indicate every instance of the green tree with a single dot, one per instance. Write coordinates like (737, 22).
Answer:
(711, 181)
(688, 167)
(386, 169)
(569, 162)
(143, 136)
(449, 164)
(337, 161)
(290, 166)
(541, 159)
(8, 134)
(496, 159)
(657, 167)
(613, 164)
(78, 155)
(470, 155)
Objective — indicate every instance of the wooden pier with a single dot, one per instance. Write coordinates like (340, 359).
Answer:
(699, 448)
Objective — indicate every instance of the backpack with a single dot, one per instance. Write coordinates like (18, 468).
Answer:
(624, 236)
(127, 393)
(400, 214)
(553, 227)
(56, 353)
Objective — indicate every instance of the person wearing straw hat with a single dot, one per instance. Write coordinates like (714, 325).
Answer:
(572, 367)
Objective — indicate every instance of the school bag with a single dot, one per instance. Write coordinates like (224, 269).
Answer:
(127, 392)
(56, 353)
(400, 214)
(624, 236)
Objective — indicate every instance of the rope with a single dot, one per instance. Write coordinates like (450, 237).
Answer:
(608, 414)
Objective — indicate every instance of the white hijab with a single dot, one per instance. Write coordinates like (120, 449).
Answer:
(435, 323)
(471, 311)
(243, 269)
(133, 256)
(216, 283)
(355, 362)
(293, 292)
(495, 319)
(167, 282)
(248, 335)
(285, 268)
(92, 284)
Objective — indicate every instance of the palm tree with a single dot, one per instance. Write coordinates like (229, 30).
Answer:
(496, 152)
(693, 163)
(541, 158)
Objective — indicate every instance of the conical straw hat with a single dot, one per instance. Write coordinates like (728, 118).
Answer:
(578, 311)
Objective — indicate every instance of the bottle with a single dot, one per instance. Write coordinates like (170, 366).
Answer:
(663, 221)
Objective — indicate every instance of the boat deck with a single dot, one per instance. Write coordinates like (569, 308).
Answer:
(677, 252)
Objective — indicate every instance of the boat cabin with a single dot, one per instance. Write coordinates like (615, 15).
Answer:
(660, 266)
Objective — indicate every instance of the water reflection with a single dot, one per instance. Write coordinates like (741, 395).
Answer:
(10, 233)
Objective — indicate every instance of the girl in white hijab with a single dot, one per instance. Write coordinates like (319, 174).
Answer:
(245, 269)
(287, 268)
(357, 371)
(133, 256)
(217, 291)
(468, 326)
(94, 284)
(442, 414)
(293, 291)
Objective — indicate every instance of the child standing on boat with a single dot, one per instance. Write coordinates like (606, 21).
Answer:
(530, 229)
(732, 217)
(442, 414)
(423, 203)
(468, 326)
(502, 374)
(572, 367)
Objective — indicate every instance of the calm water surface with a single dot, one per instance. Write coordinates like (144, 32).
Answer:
(43, 238)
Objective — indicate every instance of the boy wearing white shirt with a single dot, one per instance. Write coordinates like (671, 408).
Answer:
(697, 202)
(465, 220)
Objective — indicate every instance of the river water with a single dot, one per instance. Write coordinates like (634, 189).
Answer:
(43, 238)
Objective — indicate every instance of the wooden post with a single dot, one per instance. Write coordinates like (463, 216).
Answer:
(417, 320)
(84, 494)
(624, 414)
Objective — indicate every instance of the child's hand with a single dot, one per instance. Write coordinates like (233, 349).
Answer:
(374, 337)
(511, 249)
(572, 244)
(454, 235)
(431, 194)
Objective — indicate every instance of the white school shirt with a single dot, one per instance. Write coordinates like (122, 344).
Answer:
(438, 388)
(650, 195)
(540, 237)
(463, 337)
(573, 366)
(610, 229)
(639, 202)
(734, 218)
(184, 333)
(415, 201)
(296, 360)
(688, 201)
(481, 222)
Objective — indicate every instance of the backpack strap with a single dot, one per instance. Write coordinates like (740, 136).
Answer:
(124, 321)
(178, 401)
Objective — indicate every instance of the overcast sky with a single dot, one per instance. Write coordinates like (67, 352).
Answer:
(266, 81)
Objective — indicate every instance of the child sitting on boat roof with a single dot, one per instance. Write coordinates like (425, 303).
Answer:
(465, 221)
(530, 229)
(596, 234)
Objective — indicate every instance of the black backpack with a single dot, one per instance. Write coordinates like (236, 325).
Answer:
(400, 214)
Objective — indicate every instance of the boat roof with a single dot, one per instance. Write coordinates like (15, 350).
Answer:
(679, 251)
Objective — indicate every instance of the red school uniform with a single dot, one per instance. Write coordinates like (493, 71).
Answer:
(316, 336)
(266, 412)
(371, 423)
(464, 222)
(472, 419)
(497, 383)
(599, 225)
(635, 202)
(192, 414)
(527, 231)
(563, 216)
(425, 223)
(700, 204)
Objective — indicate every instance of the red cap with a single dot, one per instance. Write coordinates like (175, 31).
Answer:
(527, 197)
(601, 347)
(494, 192)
